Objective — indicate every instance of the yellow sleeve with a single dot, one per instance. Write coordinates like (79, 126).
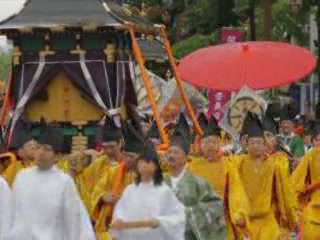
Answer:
(284, 161)
(11, 172)
(193, 163)
(100, 211)
(63, 165)
(287, 203)
(83, 191)
(238, 202)
(95, 172)
(299, 177)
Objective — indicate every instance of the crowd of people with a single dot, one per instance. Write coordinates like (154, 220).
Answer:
(197, 188)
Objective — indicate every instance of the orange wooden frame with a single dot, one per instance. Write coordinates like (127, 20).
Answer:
(177, 75)
(146, 79)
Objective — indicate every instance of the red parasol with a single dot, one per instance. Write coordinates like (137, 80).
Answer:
(258, 65)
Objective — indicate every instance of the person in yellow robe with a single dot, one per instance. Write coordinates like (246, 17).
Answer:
(76, 166)
(306, 182)
(112, 142)
(274, 147)
(271, 202)
(223, 176)
(110, 187)
(23, 146)
(6, 159)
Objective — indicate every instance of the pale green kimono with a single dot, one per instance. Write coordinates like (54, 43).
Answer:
(204, 209)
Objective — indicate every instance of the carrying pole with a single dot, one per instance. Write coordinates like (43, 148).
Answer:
(146, 79)
(178, 78)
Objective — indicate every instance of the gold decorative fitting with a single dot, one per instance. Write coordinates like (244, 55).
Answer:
(16, 56)
(57, 29)
(90, 28)
(79, 123)
(110, 52)
(78, 50)
(26, 30)
(47, 51)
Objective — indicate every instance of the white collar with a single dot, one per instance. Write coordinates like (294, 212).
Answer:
(180, 176)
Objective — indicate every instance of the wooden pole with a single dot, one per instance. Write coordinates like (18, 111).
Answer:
(147, 83)
(252, 19)
(267, 19)
(179, 81)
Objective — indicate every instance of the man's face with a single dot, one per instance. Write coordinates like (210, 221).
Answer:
(256, 146)
(131, 160)
(210, 145)
(29, 149)
(244, 140)
(287, 126)
(307, 140)
(112, 149)
(177, 157)
(271, 140)
(44, 157)
(316, 141)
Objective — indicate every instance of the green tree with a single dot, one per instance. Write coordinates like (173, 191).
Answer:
(5, 66)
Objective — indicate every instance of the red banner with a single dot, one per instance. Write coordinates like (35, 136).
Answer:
(218, 99)
(231, 35)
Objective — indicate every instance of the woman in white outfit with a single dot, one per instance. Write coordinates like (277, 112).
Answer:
(5, 208)
(148, 209)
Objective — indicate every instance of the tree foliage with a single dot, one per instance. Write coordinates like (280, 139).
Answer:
(5, 66)
(182, 48)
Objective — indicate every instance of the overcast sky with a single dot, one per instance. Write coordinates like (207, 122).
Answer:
(9, 8)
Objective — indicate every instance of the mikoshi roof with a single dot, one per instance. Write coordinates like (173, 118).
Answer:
(65, 13)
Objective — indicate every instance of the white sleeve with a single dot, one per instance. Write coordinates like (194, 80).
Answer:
(5, 208)
(173, 218)
(87, 232)
(71, 211)
(120, 211)
(121, 208)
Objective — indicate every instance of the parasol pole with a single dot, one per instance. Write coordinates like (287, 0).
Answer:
(6, 103)
(146, 79)
(178, 78)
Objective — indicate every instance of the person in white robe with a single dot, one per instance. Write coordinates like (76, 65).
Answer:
(87, 232)
(148, 208)
(5, 208)
(47, 205)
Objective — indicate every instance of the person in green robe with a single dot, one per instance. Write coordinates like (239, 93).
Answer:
(204, 209)
(293, 143)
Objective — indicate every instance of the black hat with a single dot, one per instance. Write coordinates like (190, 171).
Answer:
(245, 125)
(111, 133)
(181, 142)
(133, 140)
(213, 128)
(273, 110)
(203, 120)
(314, 128)
(154, 131)
(181, 136)
(182, 127)
(289, 111)
(52, 135)
(21, 134)
(253, 126)
(270, 125)
(149, 153)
